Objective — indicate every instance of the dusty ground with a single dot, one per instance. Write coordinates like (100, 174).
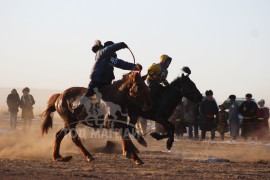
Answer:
(26, 155)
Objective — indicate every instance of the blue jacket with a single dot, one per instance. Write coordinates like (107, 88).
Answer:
(102, 71)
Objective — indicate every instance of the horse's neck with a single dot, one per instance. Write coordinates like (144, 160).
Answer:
(174, 91)
(117, 84)
(174, 99)
(175, 83)
(112, 93)
(169, 99)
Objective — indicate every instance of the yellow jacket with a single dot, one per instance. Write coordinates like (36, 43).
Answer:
(156, 73)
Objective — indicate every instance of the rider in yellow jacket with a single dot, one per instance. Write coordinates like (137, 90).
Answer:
(157, 74)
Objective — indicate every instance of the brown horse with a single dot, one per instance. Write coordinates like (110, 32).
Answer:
(130, 89)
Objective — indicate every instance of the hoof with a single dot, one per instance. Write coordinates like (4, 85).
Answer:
(90, 158)
(169, 143)
(127, 154)
(62, 159)
(138, 162)
(156, 136)
(136, 150)
(142, 142)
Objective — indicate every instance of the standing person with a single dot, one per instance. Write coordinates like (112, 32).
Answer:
(13, 102)
(27, 102)
(194, 126)
(248, 109)
(222, 124)
(263, 125)
(178, 120)
(208, 111)
(102, 72)
(190, 116)
(234, 121)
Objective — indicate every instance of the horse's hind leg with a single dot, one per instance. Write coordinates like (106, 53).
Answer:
(58, 138)
(76, 139)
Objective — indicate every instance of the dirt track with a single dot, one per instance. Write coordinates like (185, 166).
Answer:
(28, 155)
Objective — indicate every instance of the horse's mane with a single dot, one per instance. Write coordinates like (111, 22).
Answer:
(175, 82)
(124, 82)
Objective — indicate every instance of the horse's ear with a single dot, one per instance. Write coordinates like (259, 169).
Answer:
(183, 75)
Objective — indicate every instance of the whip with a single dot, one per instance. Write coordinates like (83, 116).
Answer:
(132, 55)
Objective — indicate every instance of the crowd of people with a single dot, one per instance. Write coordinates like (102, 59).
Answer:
(245, 119)
(254, 122)
(26, 103)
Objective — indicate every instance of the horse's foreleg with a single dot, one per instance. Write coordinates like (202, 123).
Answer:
(133, 131)
(58, 138)
(169, 127)
(129, 149)
(76, 139)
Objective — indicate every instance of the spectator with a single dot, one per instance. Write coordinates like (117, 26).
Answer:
(248, 109)
(222, 124)
(13, 102)
(193, 127)
(262, 125)
(190, 116)
(208, 111)
(27, 102)
(234, 122)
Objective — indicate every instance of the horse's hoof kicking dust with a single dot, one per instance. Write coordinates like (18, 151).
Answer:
(139, 162)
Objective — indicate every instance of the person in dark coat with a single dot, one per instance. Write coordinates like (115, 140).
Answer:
(26, 104)
(248, 109)
(208, 111)
(234, 121)
(102, 72)
(262, 125)
(222, 124)
(13, 102)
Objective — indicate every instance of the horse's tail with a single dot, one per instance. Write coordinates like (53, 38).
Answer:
(47, 116)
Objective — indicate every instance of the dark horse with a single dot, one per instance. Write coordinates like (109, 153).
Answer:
(131, 89)
(164, 103)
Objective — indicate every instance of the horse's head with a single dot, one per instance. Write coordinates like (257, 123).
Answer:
(189, 89)
(137, 89)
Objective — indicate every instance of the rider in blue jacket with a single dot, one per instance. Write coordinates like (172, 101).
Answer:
(102, 72)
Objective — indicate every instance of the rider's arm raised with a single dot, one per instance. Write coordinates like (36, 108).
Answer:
(110, 50)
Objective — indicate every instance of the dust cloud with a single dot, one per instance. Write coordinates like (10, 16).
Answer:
(30, 144)
(27, 144)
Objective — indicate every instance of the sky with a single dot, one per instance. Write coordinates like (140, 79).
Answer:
(47, 44)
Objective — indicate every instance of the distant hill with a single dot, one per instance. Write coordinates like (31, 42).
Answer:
(41, 96)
